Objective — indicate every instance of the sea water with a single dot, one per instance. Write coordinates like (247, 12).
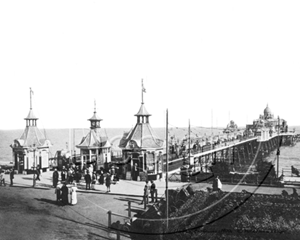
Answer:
(66, 138)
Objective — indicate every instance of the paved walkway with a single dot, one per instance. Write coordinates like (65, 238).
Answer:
(122, 187)
(135, 188)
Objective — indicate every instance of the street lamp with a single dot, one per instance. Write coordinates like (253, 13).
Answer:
(34, 149)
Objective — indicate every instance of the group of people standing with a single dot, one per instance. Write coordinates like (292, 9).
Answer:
(67, 174)
(11, 177)
(63, 192)
(72, 175)
(153, 192)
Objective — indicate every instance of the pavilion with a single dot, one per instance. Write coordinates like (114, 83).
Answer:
(32, 148)
(95, 147)
(142, 149)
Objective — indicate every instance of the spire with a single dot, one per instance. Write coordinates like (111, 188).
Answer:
(31, 93)
(95, 120)
(31, 118)
(142, 114)
(143, 91)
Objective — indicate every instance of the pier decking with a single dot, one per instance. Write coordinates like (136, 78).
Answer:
(239, 152)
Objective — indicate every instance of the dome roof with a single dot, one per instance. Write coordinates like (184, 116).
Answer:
(267, 110)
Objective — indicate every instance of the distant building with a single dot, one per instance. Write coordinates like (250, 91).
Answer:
(142, 147)
(266, 125)
(95, 147)
(32, 148)
(231, 129)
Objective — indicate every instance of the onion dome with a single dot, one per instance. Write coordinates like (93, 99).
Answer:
(267, 110)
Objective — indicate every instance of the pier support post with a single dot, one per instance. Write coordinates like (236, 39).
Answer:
(244, 154)
(145, 204)
(109, 218)
(238, 156)
(129, 209)
(248, 153)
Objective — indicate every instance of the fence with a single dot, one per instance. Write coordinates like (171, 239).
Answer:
(117, 226)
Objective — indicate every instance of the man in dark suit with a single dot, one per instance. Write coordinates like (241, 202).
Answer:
(55, 178)
(38, 173)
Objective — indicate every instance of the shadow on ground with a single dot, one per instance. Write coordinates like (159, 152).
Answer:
(47, 201)
(125, 199)
(36, 187)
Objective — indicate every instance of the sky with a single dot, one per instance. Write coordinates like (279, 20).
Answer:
(205, 61)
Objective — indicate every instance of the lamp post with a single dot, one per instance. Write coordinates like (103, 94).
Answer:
(34, 149)
(278, 146)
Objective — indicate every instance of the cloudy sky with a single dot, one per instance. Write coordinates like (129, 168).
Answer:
(207, 61)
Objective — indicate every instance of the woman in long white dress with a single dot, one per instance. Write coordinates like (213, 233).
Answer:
(73, 194)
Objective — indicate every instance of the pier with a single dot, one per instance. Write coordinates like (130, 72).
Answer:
(240, 153)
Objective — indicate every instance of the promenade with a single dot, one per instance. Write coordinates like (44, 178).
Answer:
(135, 188)
(32, 213)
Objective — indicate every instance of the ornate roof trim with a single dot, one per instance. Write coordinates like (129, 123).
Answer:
(142, 111)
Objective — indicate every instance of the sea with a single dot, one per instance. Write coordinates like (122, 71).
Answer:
(63, 139)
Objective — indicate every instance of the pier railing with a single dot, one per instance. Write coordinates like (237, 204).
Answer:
(289, 172)
(208, 147)
(117, 227)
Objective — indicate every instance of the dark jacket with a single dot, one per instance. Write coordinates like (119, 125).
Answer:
(12, 174)
(87, 178)
(55, 176)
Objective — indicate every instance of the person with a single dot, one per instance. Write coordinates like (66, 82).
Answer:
(55, 178)
(146, 194)
(294, 194)
(113, 171)
(38, 172)
(65, 194)
(73, 194)
(94, 178)
(152, 190)
(135, 172)
(108, 182)
(217, 185)
(12, 176)
(77, 174)
(101, 178)
(58, 193)
(71, 175)
(88, 180)
(2, 178)
(63, 174)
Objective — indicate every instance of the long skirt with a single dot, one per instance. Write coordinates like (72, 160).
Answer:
(73, 197)
(101, 179)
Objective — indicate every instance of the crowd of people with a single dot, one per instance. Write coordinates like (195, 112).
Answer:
(71, 175)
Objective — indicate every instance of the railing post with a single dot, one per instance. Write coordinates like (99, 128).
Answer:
(109, 218)
(145, 204)
(155, 195)
(129, 209)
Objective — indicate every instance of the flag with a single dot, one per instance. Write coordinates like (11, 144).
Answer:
(143, 89)
(31, 91)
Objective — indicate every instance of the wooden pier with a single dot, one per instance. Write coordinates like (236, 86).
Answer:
(240, 154)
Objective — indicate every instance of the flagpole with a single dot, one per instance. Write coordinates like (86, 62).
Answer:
(142, 92)
(167, 170)
(30, 100)
(278, 151)
(189, 142)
